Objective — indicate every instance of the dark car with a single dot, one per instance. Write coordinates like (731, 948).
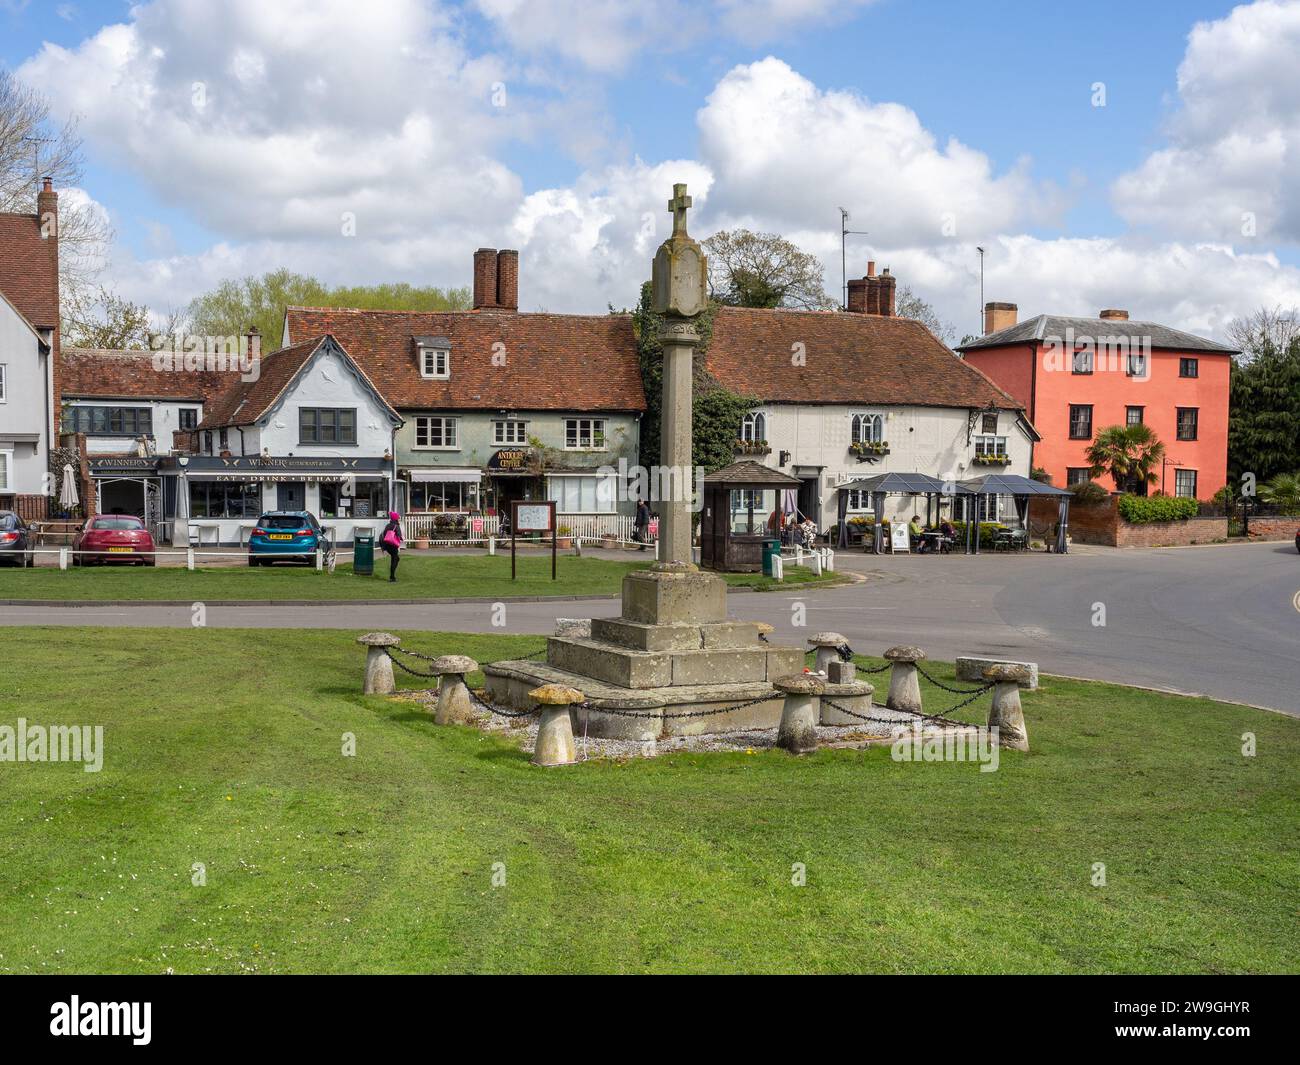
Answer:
(114, 538)
(16, 540)
(1297, 541)
(289, 536)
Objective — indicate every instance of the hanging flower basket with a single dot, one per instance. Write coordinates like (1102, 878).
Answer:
(869, 449)
(752, 447)
(992, 460)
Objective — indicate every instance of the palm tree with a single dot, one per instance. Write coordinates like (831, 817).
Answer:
(1131, 454)
(1283, 490)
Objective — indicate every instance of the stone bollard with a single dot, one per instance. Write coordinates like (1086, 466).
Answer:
(454, 706)
(379, 668)
(801, 712)
(815, 563)
(778, 568)
(826, 645)
(1006, 714)
(904, 682)
(555, 731)
(828, 560)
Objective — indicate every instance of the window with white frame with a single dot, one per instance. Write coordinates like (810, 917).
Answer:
(444, 496)
(859, 500)
(4, 384)
(1185, 484)
(584, 433)
(990, 445)
(583, 494)
(435, 431)
(509, 431)
(6, 471)
(754, 426)
(435, 363)
(867, 428)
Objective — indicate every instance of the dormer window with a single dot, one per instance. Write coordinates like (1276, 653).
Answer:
(435, 363)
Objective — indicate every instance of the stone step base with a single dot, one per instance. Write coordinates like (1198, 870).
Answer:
(628, 668)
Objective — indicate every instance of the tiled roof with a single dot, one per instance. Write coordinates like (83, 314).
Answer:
(247, 401)
(749, 472)
(95, 373)
(1045, 326)
(28, 275)
(551, 361)
(846, 358)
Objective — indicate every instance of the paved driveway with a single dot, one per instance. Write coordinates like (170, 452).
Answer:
(1215, 620)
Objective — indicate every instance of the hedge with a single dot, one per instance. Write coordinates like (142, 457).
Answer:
(1143, 510)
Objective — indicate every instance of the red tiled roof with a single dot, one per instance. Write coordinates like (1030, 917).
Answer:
(848, 358)
(93, 373)
(247, 401)
(28, 274)
(552, 361)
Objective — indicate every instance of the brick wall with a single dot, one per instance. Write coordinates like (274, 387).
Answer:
(1100, 523)
(1274, 528)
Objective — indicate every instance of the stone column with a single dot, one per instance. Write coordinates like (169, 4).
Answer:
(801, 712)
(379, 668)
(904, 682)
(555, 744)
(1006, 714)
(454, 704)
(679, 340)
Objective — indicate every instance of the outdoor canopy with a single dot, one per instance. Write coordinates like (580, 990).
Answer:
(883, 484)
(1013, 484)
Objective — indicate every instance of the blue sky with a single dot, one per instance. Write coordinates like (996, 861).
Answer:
(1063, 192)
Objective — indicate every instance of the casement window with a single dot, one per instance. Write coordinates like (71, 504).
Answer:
(584, 433)
(867, 428)
(859, 500)
(1189, 367)
(1137, 364)
(109, 421)
(990, 445)
(1080, 421)
(207, 441)
(509, 431)
(4, 384)
(1185, 484)
(223, 436)
(1083, 362)
(584, 494)
(1133, 415)
(187, 418)
(6, 471)
(435, 363)
(326, 425)
(434, 431)
(754, 426)
(1187, 422)
(1077, 475)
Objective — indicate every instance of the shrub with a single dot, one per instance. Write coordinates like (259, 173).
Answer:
(1141, 510)
(1089, 492)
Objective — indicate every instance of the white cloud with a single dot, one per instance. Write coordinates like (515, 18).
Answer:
(1233, 161)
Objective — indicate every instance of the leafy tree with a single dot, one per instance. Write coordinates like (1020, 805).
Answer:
(748, 269)
(233, 306)
(99, 318)
(1283, 491)
(1131, 454)
(1264, 412)
(716, 411)
(33, 148)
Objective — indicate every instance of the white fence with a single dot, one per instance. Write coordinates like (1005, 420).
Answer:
(439, 527)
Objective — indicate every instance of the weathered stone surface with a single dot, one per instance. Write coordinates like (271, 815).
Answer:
(782, 661)
(726, 634)
(801, 683)
(719, 667)
(904, 653)
(827, 639)
(444, 664)
(855, 696)
(674, 597)
(639, 636)
(454, 705)
(1007, 671)
(379, 639)
(797, 732)
(971, 667)
(840, 672)
(556, 695)
(904, 685)
(555, 744)
(580, 627)
(610, 663)
(1007, 716)
(379, 672)
(764, 629)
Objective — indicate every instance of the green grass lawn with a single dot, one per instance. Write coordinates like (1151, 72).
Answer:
(223, 747)
(444, 576)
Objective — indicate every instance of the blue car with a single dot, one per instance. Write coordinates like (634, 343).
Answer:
(287, 536)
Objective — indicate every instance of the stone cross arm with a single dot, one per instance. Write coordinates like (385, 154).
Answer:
(678, 206)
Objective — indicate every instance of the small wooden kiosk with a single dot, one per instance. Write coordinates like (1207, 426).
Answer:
(742, 508)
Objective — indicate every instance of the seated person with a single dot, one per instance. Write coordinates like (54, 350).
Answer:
(809, 533)
(914, 532)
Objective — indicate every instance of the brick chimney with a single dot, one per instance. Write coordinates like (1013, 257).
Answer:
(872, 294)
(253, 349)
(1113, 314)
(485, 278)
(508, 279)
(999, 316)
(887, 285)
(858, 295)
(47, 210)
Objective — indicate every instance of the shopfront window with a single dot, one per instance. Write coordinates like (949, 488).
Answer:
(370, 499)
(444, 495)
(220, 499)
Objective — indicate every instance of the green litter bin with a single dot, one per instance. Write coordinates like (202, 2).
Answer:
(363, 556)
(771, 548)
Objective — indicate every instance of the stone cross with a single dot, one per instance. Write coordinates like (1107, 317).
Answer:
(678, 206)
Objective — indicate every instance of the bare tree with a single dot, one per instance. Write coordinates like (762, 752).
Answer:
(907, 304)
(749, 269)
(32, 147)
(1268, 330)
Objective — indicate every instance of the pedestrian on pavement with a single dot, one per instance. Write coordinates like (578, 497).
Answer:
(641, 522)
(391, 541)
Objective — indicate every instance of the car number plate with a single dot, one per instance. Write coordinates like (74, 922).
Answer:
(279, 536)
(119, 549)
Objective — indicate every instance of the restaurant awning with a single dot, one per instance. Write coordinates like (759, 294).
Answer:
(1013, 484)
(883, 484)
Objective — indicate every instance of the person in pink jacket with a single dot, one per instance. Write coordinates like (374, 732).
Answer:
(390, 540)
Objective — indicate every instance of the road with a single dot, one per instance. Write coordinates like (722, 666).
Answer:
(1220, 620)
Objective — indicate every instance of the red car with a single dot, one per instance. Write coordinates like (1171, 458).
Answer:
(113, 538)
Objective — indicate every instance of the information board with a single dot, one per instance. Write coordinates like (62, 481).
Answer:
(899, 540)
(533, 517)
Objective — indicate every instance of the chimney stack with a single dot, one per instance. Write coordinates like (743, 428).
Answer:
(485, 278)
(508, 279)
(1111, 313)
(999, 316)
(887, 284)
(253, 350)
(47, 210)
(858, 295)
(872, 294)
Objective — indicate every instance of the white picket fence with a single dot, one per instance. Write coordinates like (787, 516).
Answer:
(586, 526)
